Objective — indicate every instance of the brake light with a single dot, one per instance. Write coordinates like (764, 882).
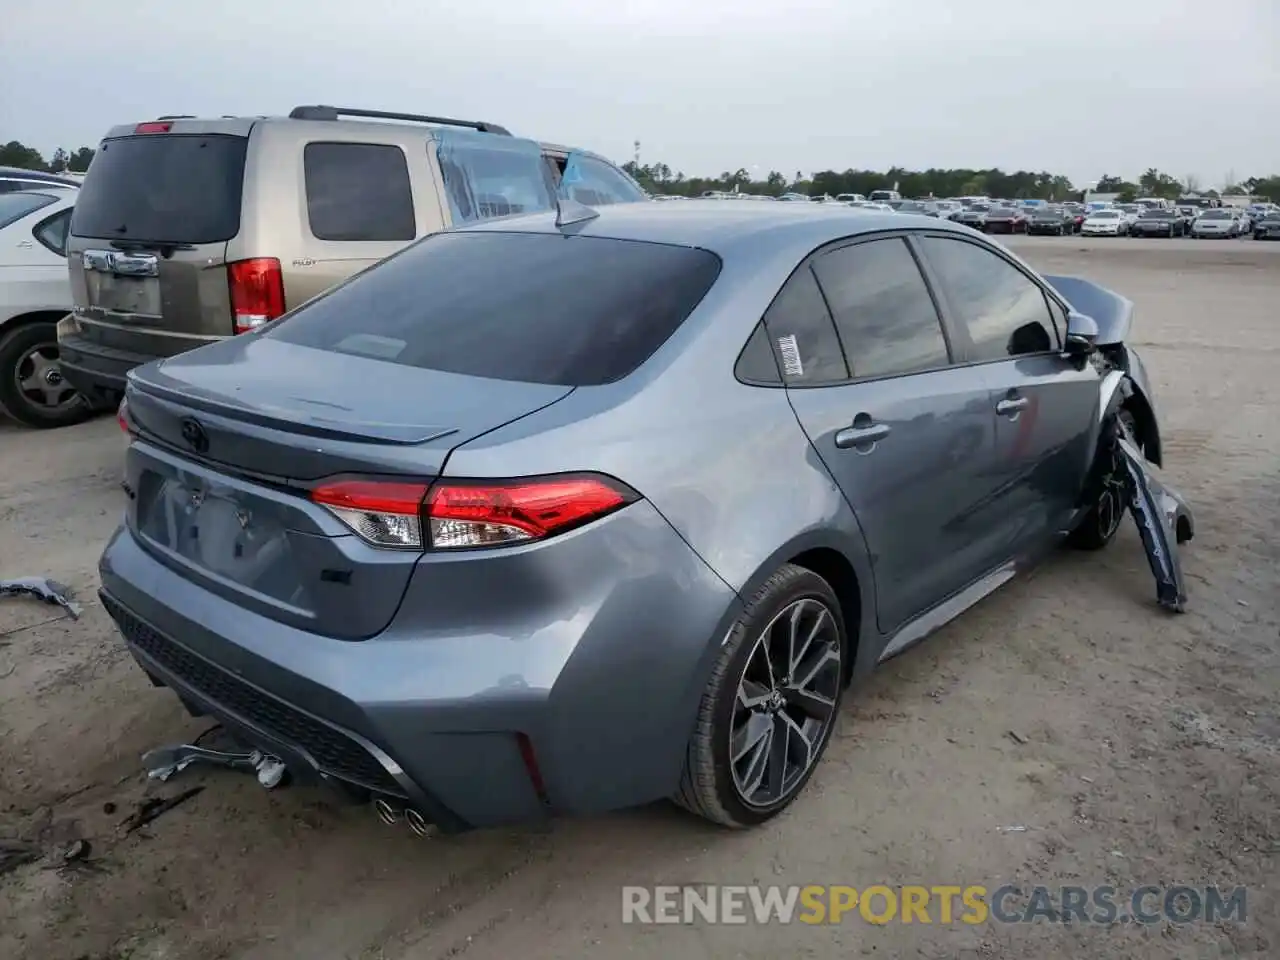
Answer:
(154, 126)
(466, 514)
(257, 292)
(122, 415)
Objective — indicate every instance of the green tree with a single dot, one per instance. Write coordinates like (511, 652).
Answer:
(80, 160)
(59, 161)
(15, 154)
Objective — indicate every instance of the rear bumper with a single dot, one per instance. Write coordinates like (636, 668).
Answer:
(603, 685)
(93, 369)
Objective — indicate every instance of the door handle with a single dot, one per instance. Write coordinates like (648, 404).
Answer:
(861, 435)
(25, 244)
(1011, 406)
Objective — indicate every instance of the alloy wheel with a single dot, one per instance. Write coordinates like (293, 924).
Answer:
(785, 703)
(39, 380)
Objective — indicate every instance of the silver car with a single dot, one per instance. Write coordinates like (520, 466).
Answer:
(566, 513)
(1215, 223)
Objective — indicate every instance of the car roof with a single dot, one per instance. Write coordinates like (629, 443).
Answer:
(42, 176)
(725, 227)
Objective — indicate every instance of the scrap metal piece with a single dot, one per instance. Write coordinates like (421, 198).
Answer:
(163, 762)
(1163, 518)
(42, 588)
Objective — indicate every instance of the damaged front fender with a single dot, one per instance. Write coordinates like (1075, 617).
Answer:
(1163, 518)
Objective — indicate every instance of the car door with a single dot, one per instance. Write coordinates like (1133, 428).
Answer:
(908, 438)
(1009, 328)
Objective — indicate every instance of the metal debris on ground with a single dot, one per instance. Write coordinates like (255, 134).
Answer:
(153, 808)
(163, 762)
(42, 588)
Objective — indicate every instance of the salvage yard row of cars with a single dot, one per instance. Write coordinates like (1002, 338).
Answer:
(345, 425)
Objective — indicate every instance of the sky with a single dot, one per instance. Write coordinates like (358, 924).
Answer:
(1077, 87)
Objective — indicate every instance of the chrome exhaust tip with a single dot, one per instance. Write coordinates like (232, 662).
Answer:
(386, 812)
(417, 822)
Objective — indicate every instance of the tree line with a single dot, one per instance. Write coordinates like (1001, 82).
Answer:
(16, 154)
(658, 178)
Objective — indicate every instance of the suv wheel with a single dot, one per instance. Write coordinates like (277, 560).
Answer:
(768, 710)
(32, 389)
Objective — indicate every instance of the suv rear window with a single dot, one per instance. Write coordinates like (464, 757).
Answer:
(539, 308)
(163, 188)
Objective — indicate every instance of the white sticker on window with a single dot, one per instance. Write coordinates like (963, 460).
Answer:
(790, 350)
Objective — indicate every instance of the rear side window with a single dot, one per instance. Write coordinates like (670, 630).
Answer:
(163, 188)
(358, 191)
(883, 311)
(487, 176)
(802, 334)
(15, 206)
(595, 183)
(52, 232)
(538, 308)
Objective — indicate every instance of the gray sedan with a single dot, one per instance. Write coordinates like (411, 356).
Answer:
(561, 514)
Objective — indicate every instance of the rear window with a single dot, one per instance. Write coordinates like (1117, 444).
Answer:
(163, 188)
(15, 206)
(538, 308)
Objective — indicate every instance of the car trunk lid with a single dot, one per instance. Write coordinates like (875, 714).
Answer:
(148, 240)
(231, 438)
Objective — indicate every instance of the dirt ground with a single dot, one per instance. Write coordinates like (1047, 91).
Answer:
(1135, 746)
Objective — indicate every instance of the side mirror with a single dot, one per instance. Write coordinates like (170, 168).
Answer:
(1082, 335)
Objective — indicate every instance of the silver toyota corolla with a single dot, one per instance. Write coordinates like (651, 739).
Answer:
(562, 514)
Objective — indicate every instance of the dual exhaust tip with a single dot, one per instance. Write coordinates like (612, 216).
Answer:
(392, 815)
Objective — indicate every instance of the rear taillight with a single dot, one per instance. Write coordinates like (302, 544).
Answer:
(257, 292)
(466, 514)
(154, 126)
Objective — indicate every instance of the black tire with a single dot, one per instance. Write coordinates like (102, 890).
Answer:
(708, 784)
(1105, 517)
(20, 348)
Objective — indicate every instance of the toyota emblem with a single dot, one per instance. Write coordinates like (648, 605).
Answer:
(194, 434)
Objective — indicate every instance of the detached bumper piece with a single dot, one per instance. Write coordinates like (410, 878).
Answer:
(1164, 520)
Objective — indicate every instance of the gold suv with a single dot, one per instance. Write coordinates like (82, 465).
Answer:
(190, 230)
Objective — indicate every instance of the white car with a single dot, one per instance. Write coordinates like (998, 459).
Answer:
(871, 205)
(16, 178)
(35, 293)
(1105, 223)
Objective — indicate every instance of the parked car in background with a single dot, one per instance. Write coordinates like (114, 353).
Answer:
(1005, 220)
(849, 197)
(1131, 212)
(16, 178)
(924, 208)
(192, 230)
(795, 197)
(974, 215)
(1157, 222)
(1219, 222)
(949, 209)
(1105, 223)
(1267, 227)
(1077, 212)
(1050, 220)
(884, 196)
(492, 525)
(34, 295)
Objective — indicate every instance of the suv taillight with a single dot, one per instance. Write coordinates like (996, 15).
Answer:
(257, 292)
(466, 514)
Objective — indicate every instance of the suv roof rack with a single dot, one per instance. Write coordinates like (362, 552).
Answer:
(324, 112)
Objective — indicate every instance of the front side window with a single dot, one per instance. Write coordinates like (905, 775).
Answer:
(595, 183)
(1005, 313)
(886, 319)
(358, 191)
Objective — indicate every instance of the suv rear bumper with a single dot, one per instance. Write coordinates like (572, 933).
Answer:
(601, 690)
(97, 371)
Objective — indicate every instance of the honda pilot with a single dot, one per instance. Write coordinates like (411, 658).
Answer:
(189, 230)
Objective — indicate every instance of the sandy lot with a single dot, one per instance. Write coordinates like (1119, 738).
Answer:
(1145, 748)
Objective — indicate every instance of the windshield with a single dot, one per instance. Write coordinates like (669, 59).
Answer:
(1158, 214)
(15, 206)
(1004, 212)
(537, 308)
(163, 188)
(1129, 207)
(1216, 215)
(1106, 214)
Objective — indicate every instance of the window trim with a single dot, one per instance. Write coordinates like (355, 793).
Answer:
(963, 357)
(806, 263)
(35, 231)
(408, 175)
